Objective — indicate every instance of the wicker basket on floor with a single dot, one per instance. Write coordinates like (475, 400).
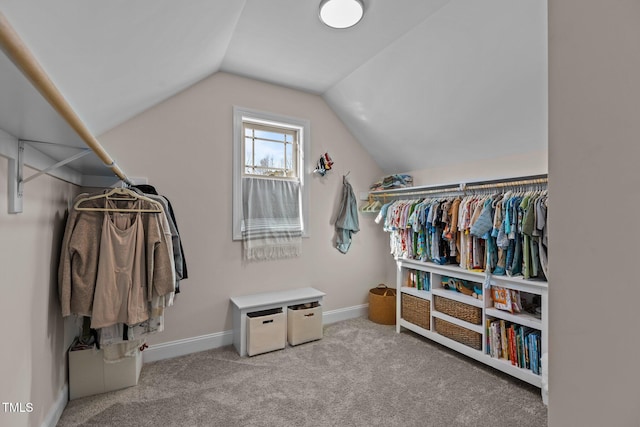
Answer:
(382, 305)
(459, 310)
(458, 333)
(416, 310)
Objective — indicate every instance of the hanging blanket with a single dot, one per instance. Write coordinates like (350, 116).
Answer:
(347, 220)
(272, 221)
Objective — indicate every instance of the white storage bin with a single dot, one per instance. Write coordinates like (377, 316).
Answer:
(304, 323)
(265, 331)
(89, 374)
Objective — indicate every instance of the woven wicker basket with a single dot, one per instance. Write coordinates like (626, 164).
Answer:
(382, 305)
(459, 310)
(458, 333)
(416, 310)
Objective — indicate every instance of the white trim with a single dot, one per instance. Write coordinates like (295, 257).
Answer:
(55, 412)
(186, 346)
(304, 150)
(346, 313)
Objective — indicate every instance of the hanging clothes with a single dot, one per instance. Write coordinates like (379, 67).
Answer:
(80, 254)
(150, 190)
(347, 220)
(117, 267)
(78, 266)
(502, 233)
(121, 273)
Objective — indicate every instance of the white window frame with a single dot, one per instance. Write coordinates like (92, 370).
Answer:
(303, 126)
(293, 132)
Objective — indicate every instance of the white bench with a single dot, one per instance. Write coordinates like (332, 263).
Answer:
(266, 301)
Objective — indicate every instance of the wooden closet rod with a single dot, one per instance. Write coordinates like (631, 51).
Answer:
(20, 55)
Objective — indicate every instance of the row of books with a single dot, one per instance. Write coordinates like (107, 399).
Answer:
(513, 342)
(418, 279)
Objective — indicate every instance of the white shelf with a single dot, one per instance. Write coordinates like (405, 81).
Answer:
(457, 296)
(524, 319)
(244, 304)
(517, 283)
(499, 364)
(436, 271)
(506, 367)
(416, 292)
(475, 328)
(265, 300)
(414, 328)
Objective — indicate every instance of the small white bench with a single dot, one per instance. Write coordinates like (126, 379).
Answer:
(266, 301)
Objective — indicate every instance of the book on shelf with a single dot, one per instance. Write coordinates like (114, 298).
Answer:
(496, 349)
(488, 336)
(519, 348)
(411, 278)
(527, 350)
(512, 345)
(513, 342)
(533, 356)
(503, 339)
(532, 353)
(418, 279)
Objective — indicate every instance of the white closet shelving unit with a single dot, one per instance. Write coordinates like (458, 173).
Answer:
(435, 271)
(426, 324)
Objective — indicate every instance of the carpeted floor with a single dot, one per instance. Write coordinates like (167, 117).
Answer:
(359, 374)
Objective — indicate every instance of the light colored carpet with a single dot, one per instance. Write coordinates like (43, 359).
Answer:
(359, 374)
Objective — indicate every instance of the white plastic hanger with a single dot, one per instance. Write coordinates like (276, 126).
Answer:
(118, 194)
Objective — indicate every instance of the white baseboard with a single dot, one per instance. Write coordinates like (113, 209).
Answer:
(55, 412)
(347, 313)
(186, 346)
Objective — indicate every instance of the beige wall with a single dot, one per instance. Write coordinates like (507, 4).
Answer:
(184, 147)
(594, 149)
(499, 167)
(32, 359)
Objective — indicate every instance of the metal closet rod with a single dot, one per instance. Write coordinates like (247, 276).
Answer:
(20, 55)
(480, 185)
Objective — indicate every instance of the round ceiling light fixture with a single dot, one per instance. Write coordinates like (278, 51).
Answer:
(341, 13)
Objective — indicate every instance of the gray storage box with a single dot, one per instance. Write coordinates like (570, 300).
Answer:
(265, 331)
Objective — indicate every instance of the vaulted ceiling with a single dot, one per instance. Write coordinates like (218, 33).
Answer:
(418, 82)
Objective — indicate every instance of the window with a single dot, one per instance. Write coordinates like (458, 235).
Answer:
(270, 150)
(268, 146)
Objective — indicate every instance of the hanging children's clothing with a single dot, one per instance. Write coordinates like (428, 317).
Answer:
(502, 233)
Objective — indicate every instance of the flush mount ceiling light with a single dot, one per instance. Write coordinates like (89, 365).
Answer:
(341, 13)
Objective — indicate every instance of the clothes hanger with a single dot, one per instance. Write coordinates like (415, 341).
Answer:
(375, 206)
(119, 194)
(367, 204)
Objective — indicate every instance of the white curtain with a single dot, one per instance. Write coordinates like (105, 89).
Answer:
(272, 226)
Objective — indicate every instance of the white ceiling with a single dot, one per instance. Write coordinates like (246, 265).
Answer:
(446, 80)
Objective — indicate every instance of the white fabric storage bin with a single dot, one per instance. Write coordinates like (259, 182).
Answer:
(304, 323)
(265, 331)
(89, 374)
